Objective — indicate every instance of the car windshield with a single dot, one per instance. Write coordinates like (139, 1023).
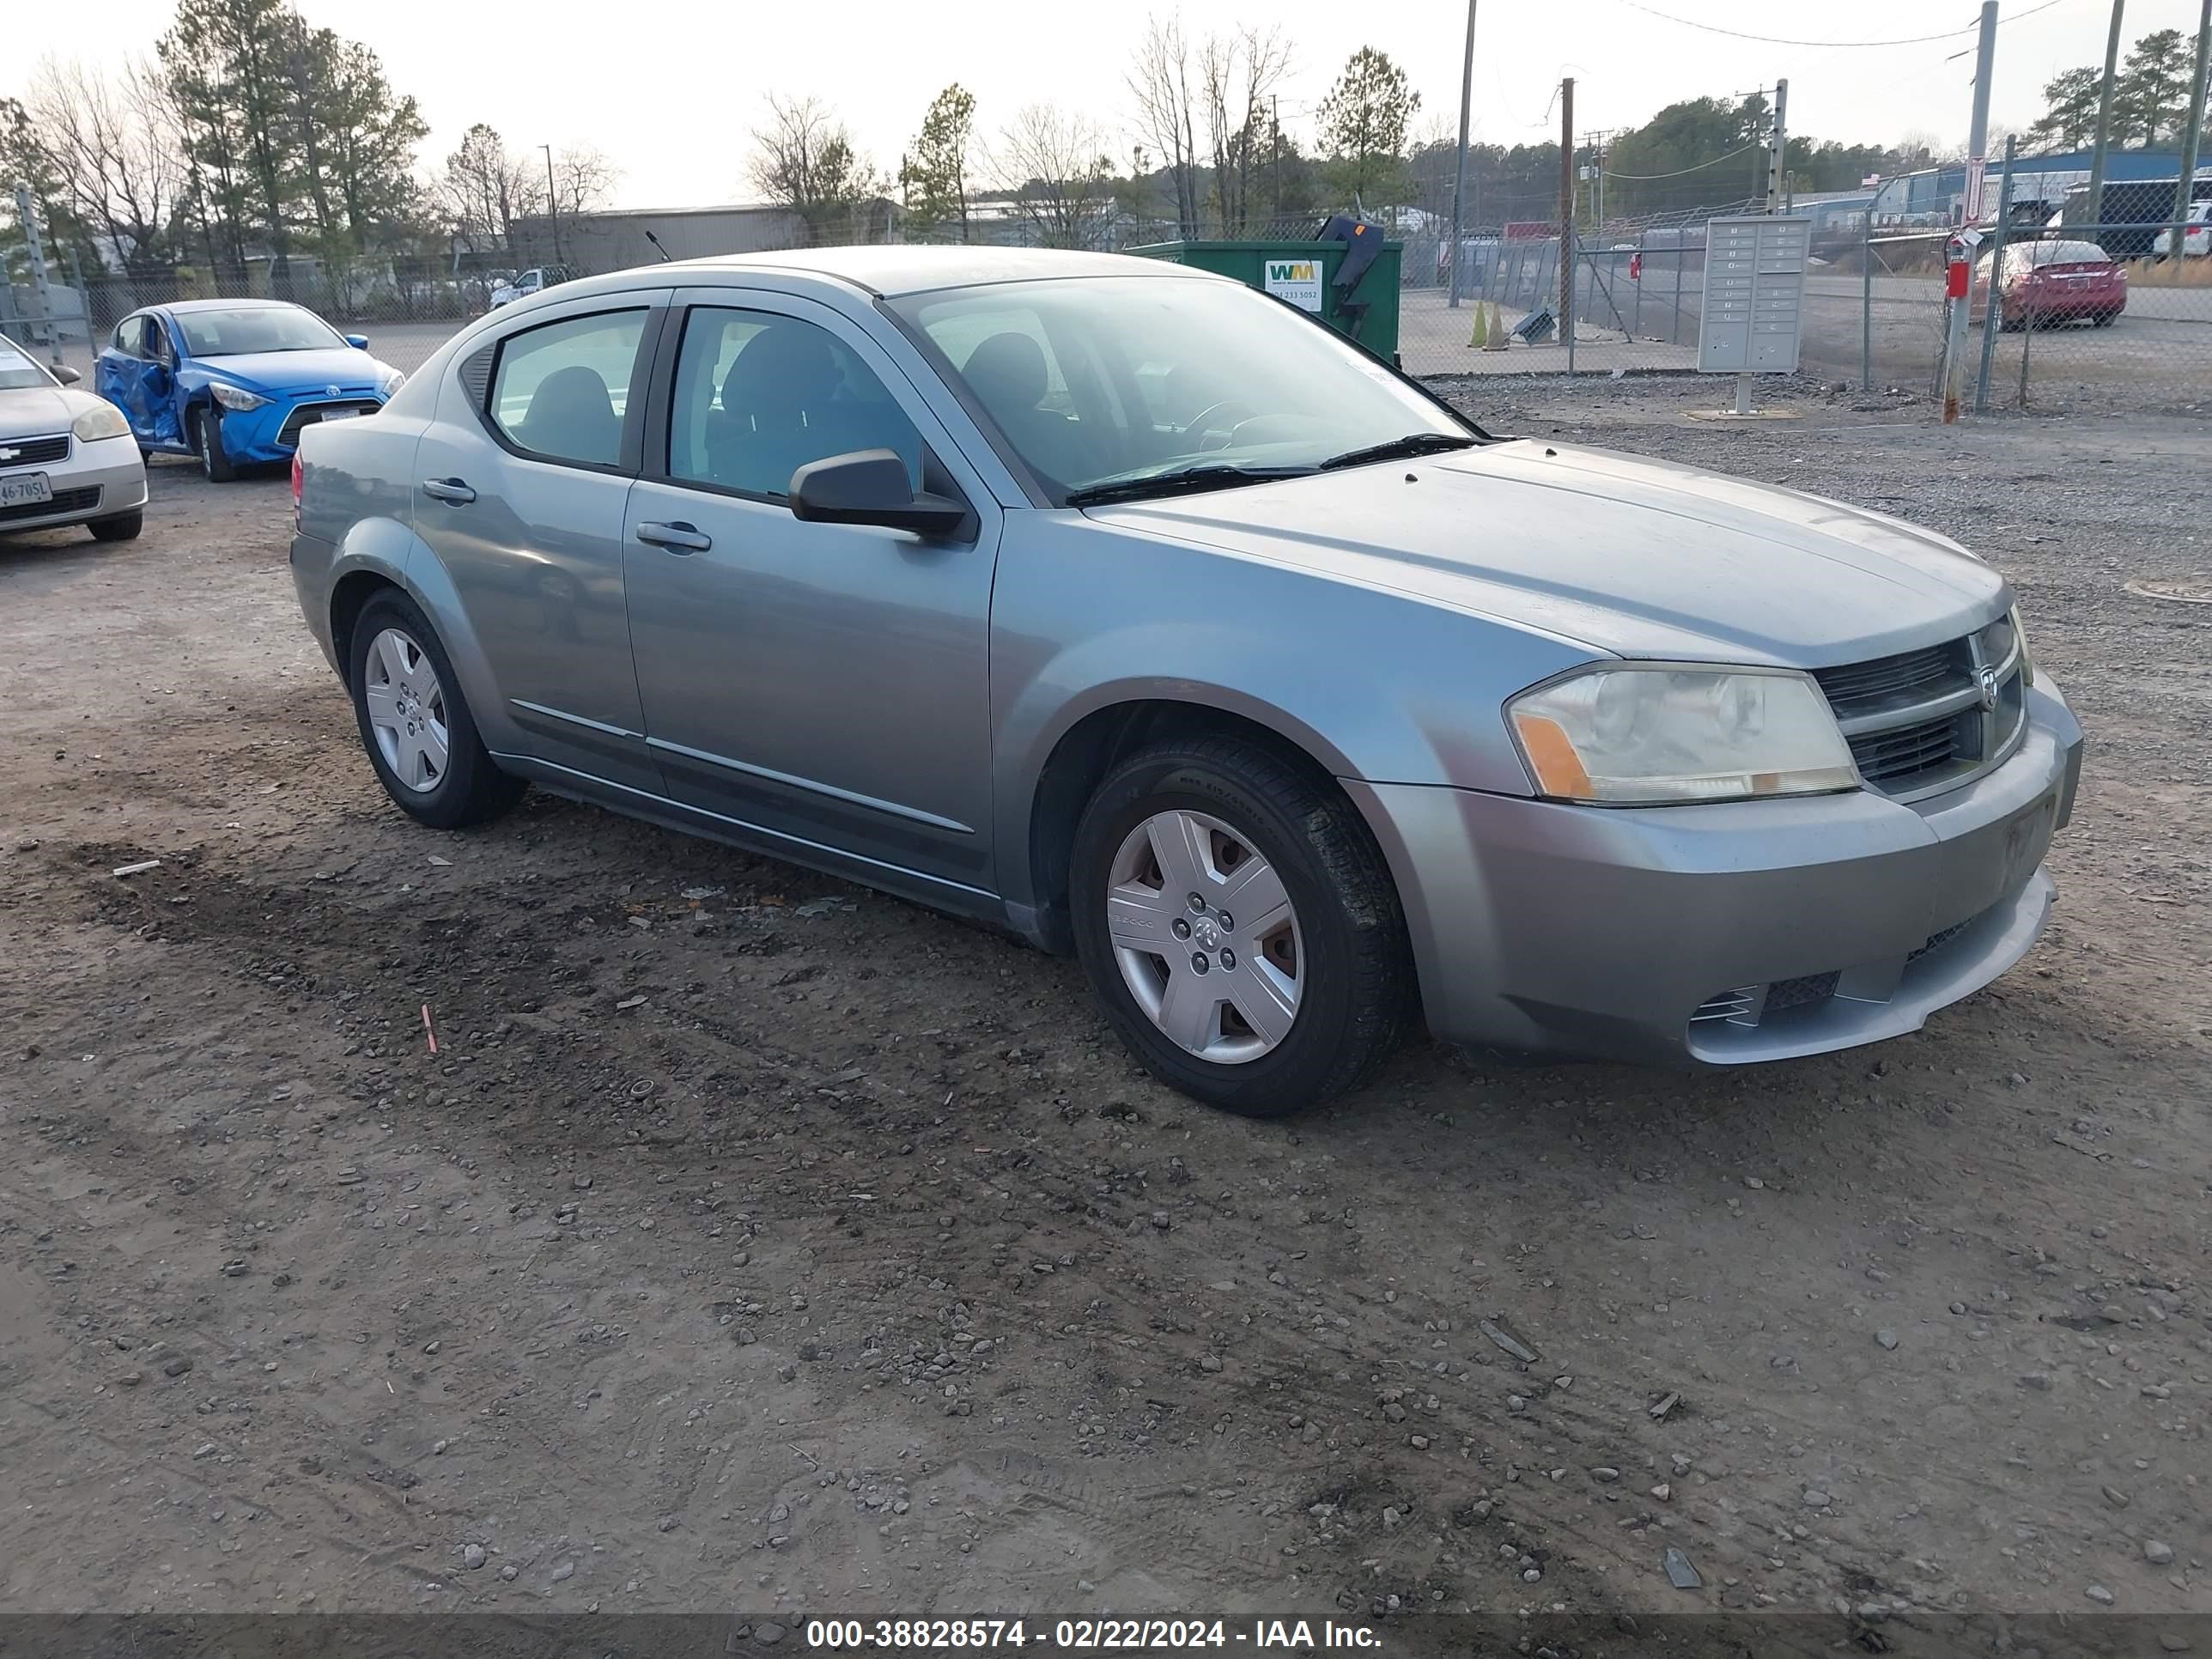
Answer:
(1121, 387)
(260, 328)
(17, 372)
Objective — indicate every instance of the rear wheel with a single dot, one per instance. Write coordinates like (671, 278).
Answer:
(123, 527)
(415, 724)
(207, 441)
(1237, 921)
(2104, 318)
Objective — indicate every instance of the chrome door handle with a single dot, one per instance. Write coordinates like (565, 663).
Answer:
(448, 490)
(676, 537)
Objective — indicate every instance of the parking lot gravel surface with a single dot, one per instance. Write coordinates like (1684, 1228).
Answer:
(751, 1240)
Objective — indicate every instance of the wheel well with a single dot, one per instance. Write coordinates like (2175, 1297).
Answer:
(354, 591)
(1090, 749)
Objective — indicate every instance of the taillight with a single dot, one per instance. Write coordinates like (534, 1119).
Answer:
(297, 484)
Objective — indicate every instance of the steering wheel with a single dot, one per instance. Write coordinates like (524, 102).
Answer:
(1197, 422)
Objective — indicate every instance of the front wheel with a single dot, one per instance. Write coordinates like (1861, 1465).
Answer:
(415, 724)
(122, 527)
(1236, 920)
(207, 440)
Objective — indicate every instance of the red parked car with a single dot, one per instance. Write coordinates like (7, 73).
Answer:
(2048, 283)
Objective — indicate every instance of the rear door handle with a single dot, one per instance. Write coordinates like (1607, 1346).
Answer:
(676, 537)
(448, 490)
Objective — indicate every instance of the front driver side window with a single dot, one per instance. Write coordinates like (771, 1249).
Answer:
(560, 391)
(759, 395)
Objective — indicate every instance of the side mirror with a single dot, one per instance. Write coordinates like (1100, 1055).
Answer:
(358, 342)
(871, 487)
(66, 375)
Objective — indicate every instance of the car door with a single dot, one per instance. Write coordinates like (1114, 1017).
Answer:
(160, 354)
(131, 374)
(827, 683)
(520, 483)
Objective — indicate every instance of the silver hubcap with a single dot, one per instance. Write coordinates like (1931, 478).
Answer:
(406, 710)
(1205, 936)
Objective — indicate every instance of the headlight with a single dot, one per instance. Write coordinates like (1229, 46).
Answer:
(102, 420)
(235, 397)
(2026, 656)
(392, 382)
(1653, 736)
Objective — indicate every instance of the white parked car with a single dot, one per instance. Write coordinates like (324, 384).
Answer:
(536, 280)
(2195, 241)
(66, 457)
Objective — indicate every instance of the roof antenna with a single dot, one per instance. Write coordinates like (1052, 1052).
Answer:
(657, 248)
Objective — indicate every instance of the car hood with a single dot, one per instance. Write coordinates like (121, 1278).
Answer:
(38, 411)
(297, 371)
(1637, 557)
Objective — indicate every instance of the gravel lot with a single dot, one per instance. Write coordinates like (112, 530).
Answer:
(754, 1241)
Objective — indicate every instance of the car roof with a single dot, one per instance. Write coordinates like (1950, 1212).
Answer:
(187, 308)
(907, 268)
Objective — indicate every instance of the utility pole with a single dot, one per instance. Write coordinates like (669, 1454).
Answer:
(1978, 138)
(552, 201)
(1459, 184)
(1777, 149)
(2185, 191)
(1276, 148)
(1567, 209)
(2104, 118)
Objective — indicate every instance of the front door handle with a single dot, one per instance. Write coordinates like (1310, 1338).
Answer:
(448, 490)
(676, 537)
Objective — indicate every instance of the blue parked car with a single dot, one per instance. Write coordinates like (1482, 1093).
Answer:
(232, 381)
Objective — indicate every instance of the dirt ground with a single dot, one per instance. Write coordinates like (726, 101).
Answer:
(753, 1240)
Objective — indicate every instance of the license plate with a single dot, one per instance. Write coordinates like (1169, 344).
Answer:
(341, 414)
(23, 489)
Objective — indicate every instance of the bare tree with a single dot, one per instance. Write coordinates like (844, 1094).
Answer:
(1240, 73)
(804, 159)
(1166, 112)
(483, 188)
(583, 178)
(1054, 166)
(116, 153)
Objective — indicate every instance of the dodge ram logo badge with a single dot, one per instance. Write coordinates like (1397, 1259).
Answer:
(1986, 678)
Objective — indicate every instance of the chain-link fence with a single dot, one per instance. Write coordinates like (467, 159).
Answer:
(2076, 330)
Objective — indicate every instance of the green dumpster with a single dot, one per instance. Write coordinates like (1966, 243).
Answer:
(1303, 273)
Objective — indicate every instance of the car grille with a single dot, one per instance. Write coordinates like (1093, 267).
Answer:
(36, 452)
(65, 501)
(1925, 721)
(1756, 1005)
(308, 414)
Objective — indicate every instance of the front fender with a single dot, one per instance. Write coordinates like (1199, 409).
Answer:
(1370, 682)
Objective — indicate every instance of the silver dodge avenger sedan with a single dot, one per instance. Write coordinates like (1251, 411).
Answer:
(1133, 611)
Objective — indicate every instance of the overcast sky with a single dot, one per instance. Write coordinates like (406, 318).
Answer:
(669, 88)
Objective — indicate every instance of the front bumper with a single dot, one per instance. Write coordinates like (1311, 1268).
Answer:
(253, 437)
(1725, 933)
(98, 480)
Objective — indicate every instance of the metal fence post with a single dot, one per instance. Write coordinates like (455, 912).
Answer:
(1991, 300)
(1681, 258)
(42, 294)
(1866, 303)
(1567, 290)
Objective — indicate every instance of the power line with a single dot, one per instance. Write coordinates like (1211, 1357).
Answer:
(1777, 40)
(1645, 178)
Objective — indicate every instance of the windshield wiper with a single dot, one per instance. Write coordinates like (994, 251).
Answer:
(1414, 443)
(1183, 480)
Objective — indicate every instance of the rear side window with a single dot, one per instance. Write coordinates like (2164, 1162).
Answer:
(561, 392)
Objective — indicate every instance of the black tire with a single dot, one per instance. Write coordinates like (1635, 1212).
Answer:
(473, 789)
(123, 527)
(2106, 319)
(206, 423)
(1357, 970)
